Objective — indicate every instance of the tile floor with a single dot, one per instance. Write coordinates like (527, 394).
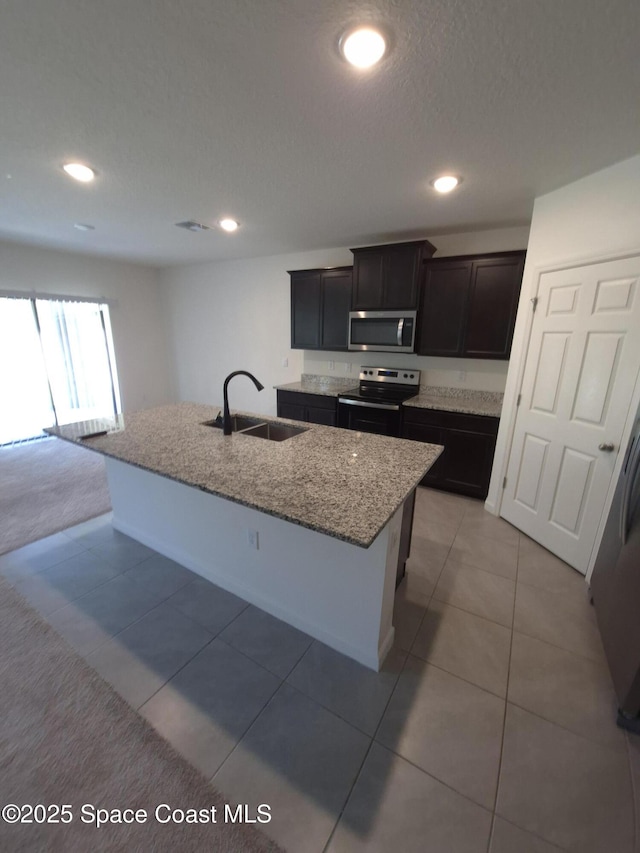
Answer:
(490, 728)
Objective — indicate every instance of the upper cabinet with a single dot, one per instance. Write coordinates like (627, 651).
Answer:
(468, 305)
(320, 304)
(387, 277)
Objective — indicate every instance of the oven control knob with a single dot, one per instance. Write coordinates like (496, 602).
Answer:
(411, 376)
(406, 376)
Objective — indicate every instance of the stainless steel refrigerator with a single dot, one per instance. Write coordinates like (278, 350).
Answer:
(615, 587)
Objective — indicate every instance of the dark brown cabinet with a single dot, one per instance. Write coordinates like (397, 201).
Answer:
(320, 304)
(469, 441)
(312, 408)
(468, 305)
(387, 277)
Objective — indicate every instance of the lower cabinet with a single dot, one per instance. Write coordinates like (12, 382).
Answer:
(469, 445)
(312, 408)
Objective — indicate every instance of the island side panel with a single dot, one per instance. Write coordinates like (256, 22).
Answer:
(338, 593)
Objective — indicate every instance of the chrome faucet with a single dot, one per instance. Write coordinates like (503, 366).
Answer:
(226, 416)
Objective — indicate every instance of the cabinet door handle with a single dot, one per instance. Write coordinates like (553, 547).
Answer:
(400, 328)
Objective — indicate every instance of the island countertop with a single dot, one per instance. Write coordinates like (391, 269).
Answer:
(342, 483)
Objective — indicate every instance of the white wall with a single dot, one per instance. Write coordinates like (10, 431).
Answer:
(595, 218)
(132, 291)
(236, 315)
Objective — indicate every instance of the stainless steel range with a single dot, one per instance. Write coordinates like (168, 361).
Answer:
(375, 405)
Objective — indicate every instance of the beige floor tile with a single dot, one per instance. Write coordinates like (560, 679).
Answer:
(426, 497)
(557, 619)
(441, 530)
(411, 602)
(395, 806)
(564, 788)
(539, 567)
(465, 645)
(447, 727)
(414, 587)
(427, 558)
(565, 688)
(477, 591)
(354, 692)
(478, 522)
(492, 555)
(407, 618)
(209, 704)
(507, 838)
(303, 761)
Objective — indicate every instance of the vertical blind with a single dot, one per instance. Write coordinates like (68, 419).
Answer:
(56, 365)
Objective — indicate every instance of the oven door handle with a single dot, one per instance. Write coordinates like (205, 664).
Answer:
(365, 405)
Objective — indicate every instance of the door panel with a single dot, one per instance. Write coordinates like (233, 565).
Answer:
(551, 365)
(493, 300)
(368, 275)
(532, 468)
(305, 310)
(468, 463)
(572, 490)
(563, 300)
(445, 294)
(336, 302)
(597, 376)
(615, 295)
(582, 364)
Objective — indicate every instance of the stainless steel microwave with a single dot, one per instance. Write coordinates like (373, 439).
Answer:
(382, 331)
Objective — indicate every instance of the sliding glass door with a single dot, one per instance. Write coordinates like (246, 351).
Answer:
(56, 365)
(25, 403)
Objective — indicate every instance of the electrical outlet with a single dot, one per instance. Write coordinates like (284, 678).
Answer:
(285, 362)
(462, 375)
(332, 365)
(347, 367)
(253, 539)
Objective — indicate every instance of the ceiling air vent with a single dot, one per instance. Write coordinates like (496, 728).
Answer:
(191, 225)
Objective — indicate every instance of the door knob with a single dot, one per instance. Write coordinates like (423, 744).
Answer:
(606, 447)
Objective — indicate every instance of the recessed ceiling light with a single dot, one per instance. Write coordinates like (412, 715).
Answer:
(228, 225)
(363, 47)
(79, 172)
(445, 183)
(83, 226)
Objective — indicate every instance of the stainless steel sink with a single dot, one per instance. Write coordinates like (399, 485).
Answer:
(274, 432)
(238, 423)
(258, 428)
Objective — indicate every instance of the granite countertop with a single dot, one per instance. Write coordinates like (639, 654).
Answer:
(338, 482)
(462, 400)
(446, 399)
(328, 386)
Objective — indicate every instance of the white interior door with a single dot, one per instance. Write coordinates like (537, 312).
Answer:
(581, 368)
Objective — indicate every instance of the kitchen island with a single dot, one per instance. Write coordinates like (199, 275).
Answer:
(307, 529)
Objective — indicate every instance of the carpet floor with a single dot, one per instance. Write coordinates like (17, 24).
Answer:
(46, 486)
(67, 738)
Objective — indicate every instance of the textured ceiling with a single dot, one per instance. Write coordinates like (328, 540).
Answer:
(193, 109)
